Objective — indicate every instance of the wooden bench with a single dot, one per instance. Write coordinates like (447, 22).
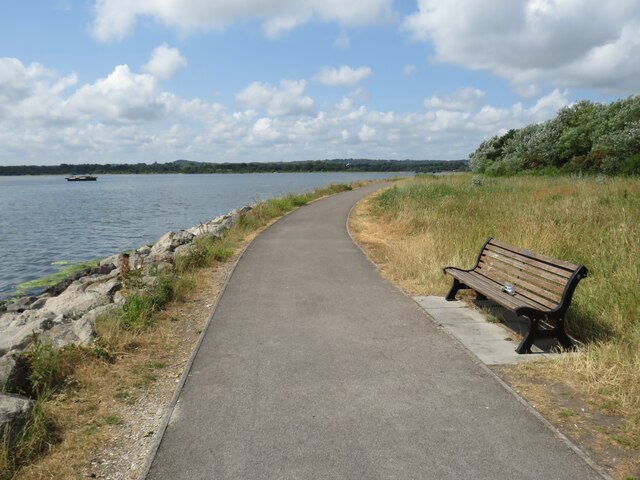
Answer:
(541, 287)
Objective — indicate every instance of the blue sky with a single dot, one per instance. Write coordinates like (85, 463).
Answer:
(113, 81)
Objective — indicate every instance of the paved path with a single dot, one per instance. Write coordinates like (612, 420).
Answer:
(314, 367)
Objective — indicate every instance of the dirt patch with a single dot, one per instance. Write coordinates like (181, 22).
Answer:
(582, 420)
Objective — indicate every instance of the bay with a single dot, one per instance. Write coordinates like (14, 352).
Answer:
(46, 222)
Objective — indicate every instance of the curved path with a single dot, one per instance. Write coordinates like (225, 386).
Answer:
(314, 367)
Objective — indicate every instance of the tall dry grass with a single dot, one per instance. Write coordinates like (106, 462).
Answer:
(424, 224)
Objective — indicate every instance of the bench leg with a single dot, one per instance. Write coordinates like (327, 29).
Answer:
(527, 342)
(451, 296)
(562, 336)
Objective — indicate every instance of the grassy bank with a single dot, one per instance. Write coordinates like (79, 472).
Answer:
(82, 392)
(421, 225)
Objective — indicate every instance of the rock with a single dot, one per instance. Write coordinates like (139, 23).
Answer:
(136, 261)
(144, 250)
(149, 282)
(112, 260)
(118, 299)
(16, 333)
(15, 411)
(169, 241)
(68, 331)
(7, 364)
(39, 303)
(6, 319)
(164, 267)
(76, 300)
(20, 305)
(184, 250)
(107, 288)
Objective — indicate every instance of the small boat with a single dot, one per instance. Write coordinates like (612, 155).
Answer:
(81, 178)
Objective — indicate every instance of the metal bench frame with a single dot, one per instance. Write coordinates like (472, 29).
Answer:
(487, 287)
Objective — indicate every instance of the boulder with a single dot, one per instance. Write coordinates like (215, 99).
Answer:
(7, 364)
(68, 331)
(76, 300)
(20, 304)
(60, 287)
(112, 260)
(118, 299)
(169, 241)
(137, 261)
(39, 303)
(17, 331)
(184, 250)
(107, 288)
(144, 250)
(15, 411)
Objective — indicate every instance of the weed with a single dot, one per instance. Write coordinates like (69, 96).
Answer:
(567, 413)
(112, 420)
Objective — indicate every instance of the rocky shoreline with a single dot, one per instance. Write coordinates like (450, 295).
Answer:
(65, 313)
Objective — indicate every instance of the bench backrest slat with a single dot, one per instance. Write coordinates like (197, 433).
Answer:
(538, 278)
(535, 256)
(559, 271)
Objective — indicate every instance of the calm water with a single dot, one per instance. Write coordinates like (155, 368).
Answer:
(46, 220)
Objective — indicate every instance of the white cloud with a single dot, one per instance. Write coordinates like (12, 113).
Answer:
(344, 75)
(126, 117)
(123, 96)
(366, 133)
(287, 100)
(576, 43)
(164, 62)
(115, 19)
(462, 99)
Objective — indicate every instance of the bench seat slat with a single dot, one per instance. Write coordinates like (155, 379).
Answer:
(545, 279)
(536, 256)
(493, 290)
(520, 279)
(561, 272)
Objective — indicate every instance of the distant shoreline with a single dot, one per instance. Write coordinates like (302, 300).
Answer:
(186, 166)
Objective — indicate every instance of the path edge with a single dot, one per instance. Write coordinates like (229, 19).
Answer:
(556, 432)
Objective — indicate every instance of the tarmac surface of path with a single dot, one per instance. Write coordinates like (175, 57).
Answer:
(314, 367)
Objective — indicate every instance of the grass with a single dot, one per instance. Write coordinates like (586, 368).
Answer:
(419, 226)
(78, 390)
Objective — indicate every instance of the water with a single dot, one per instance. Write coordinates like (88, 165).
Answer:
(46, 221)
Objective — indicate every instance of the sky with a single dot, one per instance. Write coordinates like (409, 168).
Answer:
(125, 81)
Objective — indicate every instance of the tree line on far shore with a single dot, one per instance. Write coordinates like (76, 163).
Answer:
(586, 137)
(186, 166)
